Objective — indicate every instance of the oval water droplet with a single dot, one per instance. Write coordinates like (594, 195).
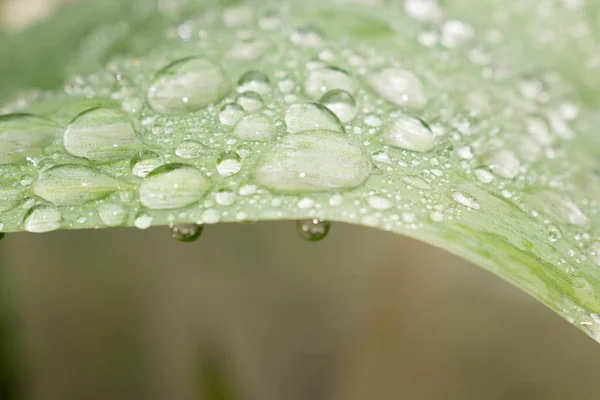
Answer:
(229, 163)
(466, 200)
(341, 103)
(416, 182)
(484, 175)
(186, 232)
(191, 149)
(225, 198)
(10, 197)
(379, 203)
(40, 219)
(313, 230)
(230, 114)
(102, 134)
(143, 221)
(173, 186)
(254, 81)
(554, 233)
(112, 214)
(311, 116)
(250, 101)
(307, 35)
(144, 166)
(321, 80)
(399, 86)
(256, 126)
(408, 133)
(188, 85)
(72, 184)
(249, 49)
(557, 206)
(24, 135)
(595, 253)
(313, 160)
(504, 164)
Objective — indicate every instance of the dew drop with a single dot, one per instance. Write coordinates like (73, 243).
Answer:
(237, 16)
(456, 33)
(173, 186)
(311, 116)
(554, 233)
(504, 164)
(71, 184)
(408, 133)
(143, 221)
(23, 135)
(379, 203)
(186, 232)
(423, 10)
(10, 197)
(466, 200)
(254, 81)
(102, 134)
(112, 214)
(225, 198)
(250, 101)
(188, 85)
(144, 166)
(341, 103)
(595, 253)
(436, 216)
(398, 86)
(558, 207)
(191, 149)
(307, 35)
(256, 126)
(40, 219)
(416, 182)
(321, 80)
(314, 160)
(229, 163)
(230, 114)
(313, 230)
(249, 49)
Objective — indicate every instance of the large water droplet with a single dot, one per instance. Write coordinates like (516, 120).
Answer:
(230, 114)
(112, 214)
(313, 230)
(186, 232)
(321, 80)
(23, 135)
(188, 85)
(41, 219)
(10, 197)
(250, 101)
(67, 185)
(313, 160)
(408, 133)
(255, 127)
(229, 163)
(399, 86)
(173, 186)
(102, 134)
(341, 103)
(311, 116)
(504, 163)
(466, 200)
(254, 81)
(145, 165)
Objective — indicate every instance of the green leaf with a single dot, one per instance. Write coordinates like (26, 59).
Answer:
(468, 125)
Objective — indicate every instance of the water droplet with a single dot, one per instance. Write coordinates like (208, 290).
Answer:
(229, 163)
(254, 81)
(539, 130)
(270, 20)
(341, 103)
(558, 207)
(10, 197)
(311, 116)
(225, 198)
(554, 233)
(230, 114)
(504, 164)
(484, 175)
(256, 126)
(211, 216)
(408, 133)
(416, 182)
(466, 200)
(191, 149)
(188, 85)
(465, 153)
(144, 166)
(250, 101)
(455, 33)
(382, 157)
(379, 203)
(595, 253)
(398, 86)
(237, 16)
(23, 135)
(321, 80)
(173, 186)
(313, 230)
(423, 10)
(102, 134)
(67, 185)
(436, 216)
(112, 214)
(186, 232)
(248, 190)
(313, 160)
(307, 35)
(143, 221)
(249, 49)
(40, 219)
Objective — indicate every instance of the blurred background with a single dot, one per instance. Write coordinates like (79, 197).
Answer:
(252, 312)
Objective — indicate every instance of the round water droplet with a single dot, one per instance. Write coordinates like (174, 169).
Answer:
(313, 160)
(23, 135)
(229, 163)
(102, 134)
(67, 185)
(399, 86)
(188, 85)
(257, 127)
(321, 80)
(112, 214)
(173, 186)
(307, 35)
(190, 149)
(250, 101)
(311, 116)
(408, 133)
(456, 33)
(341, 103)
(466, 200)
(554, 233)
(40, 219)
(379, 203)
(313, 230)
(254, 81)
(230, 114)
(504, 164)
(143, 221)
(186, 232)
(484, 175)
(225, 198)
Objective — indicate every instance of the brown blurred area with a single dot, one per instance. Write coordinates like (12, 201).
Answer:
(251, 312)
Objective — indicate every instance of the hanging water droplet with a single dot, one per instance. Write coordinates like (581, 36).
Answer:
(408, 133)
(229, 163)
(250, 101)
(23, 135)
(307, 35)
(112, 214)
(230, 114)
(313, 160)
(311, 116)
(173, 186)
(188, 85)
(321, 80)
(256, 126)
(40, 219)
(504, 164)
(466, 200)
(341, 103)
(143, 221)
(254, 81)
(102, 134)
(67, 185)
(484, 175)
(186, 232)
(398, 86)
(191, 149)
(313, 230)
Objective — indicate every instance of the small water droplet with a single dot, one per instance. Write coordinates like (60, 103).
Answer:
(554, 233)
(416, 182)
(112, 214)
(466, 200)
(248, 190)
(270, 20)
(408, 133)
(143, 167)
(484, 175)
(23, 135)
(230, 114)
(504, 164)
(379, 203)
(321, 80)
(399, 86)
(40, 219)
(250, 101)
(186, 232)
(341, 103)
(256, 126)
(307, 35)
(238, 16)
(143, 221)
(436, 216)
(464, 152)
(595, 253)
(306, 203)
(456, 33)
(254, 81)
(311, 116)
(423, 10)
(225, 198)
(191, 149)
(229, 163)
(558, 207)
(313, 230)
(10, 197)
